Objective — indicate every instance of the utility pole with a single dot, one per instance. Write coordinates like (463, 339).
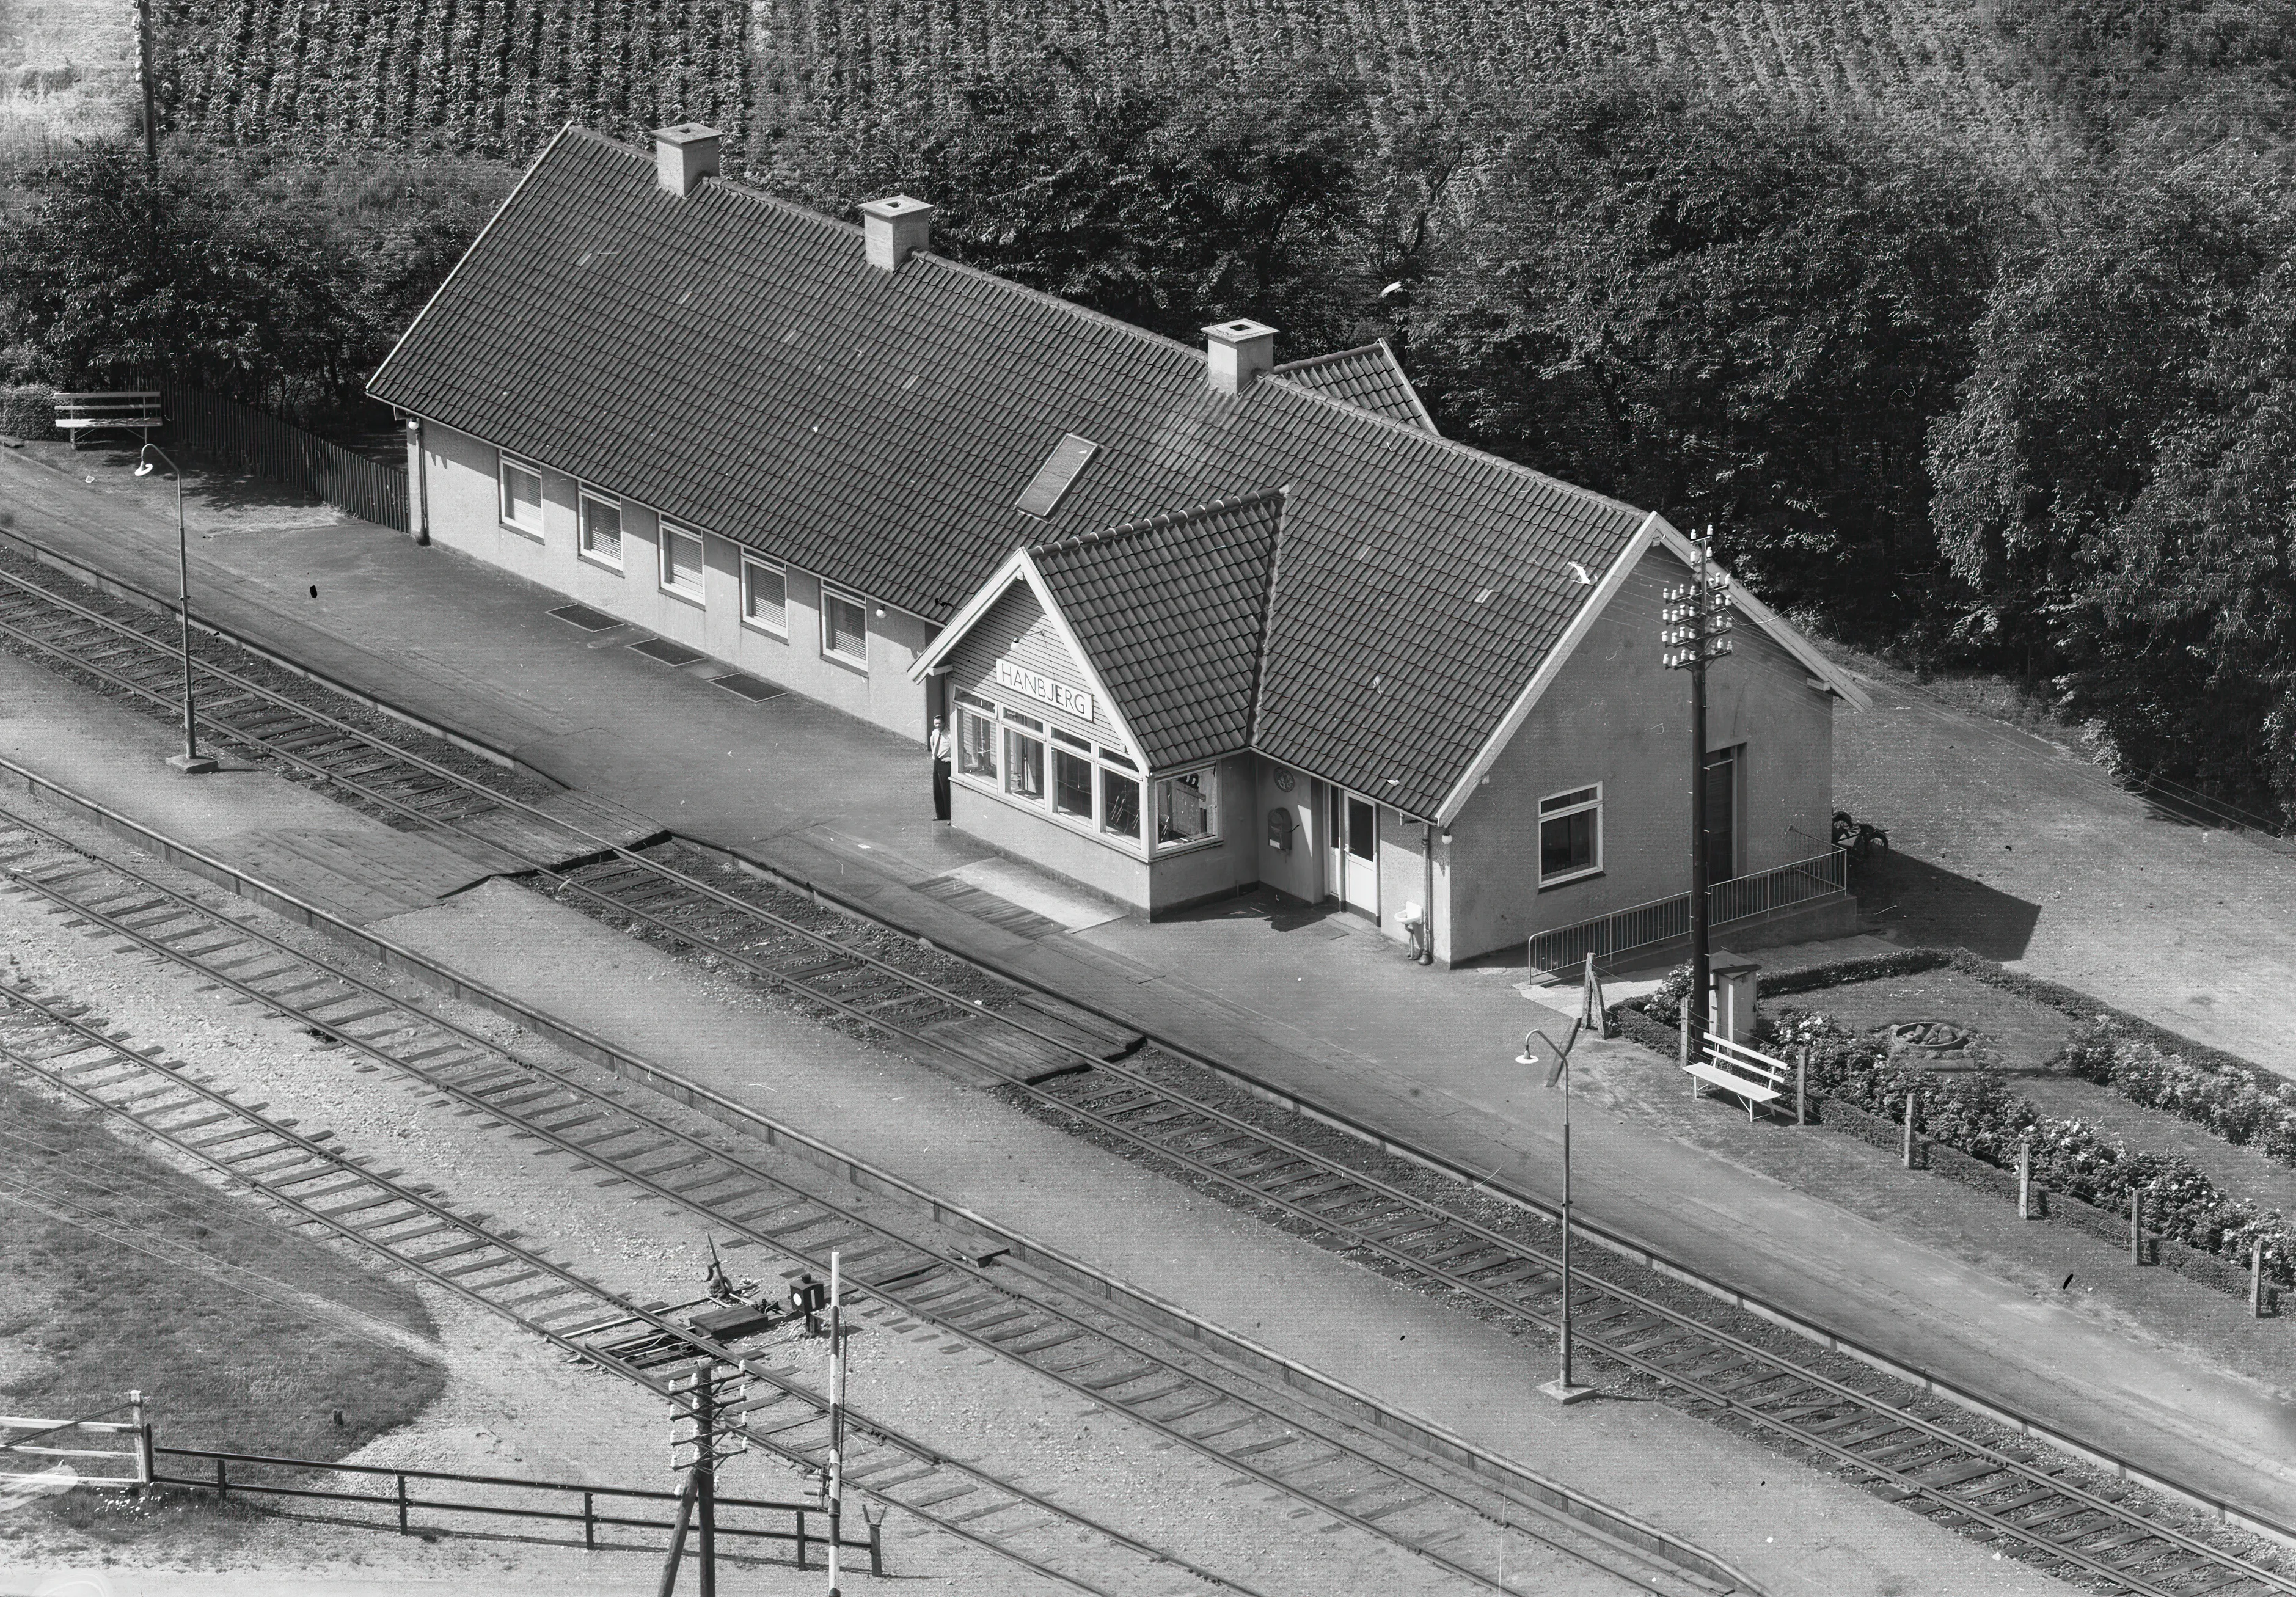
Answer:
(1697, 619)
(836, 1421)
(1565, 1388)
(143, 64)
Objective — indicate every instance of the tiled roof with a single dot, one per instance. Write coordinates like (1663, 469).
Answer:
(1172, 612)
(733, 361)
(1369, 378)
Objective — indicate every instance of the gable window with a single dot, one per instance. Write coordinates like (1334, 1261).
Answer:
(1024, 758)
(1570, 835)
(844, 628)
(1072, 784)
(976, 744)
(1120, 804)
(764, 597)
(1186, 806)
(681, 562)
(522, 496)
(602, 529)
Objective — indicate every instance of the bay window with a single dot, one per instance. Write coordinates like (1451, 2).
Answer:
(1185, 806)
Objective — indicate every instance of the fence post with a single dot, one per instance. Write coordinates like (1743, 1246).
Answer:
(2137, 1225)
(2256, 1279)
(223, 1488)
(142, 1441)
(402, 1503)
(801, 1538)
(589, 1525)
(1910, 1095)
(1801, 1089)
(1686, 1046)
(2025, 1176)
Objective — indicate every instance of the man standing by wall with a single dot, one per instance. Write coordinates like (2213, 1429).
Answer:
(936, 746)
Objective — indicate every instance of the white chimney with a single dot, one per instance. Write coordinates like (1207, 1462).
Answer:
(1239, 354)
(897, 228)
(684, 155)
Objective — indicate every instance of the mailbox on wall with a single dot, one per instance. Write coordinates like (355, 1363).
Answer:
(1279, 829)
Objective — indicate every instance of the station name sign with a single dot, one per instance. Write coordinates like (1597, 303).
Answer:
(1037, 685)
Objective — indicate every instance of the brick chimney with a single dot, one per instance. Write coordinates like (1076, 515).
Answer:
(897, 228)
(1238, 354)
(684, 155)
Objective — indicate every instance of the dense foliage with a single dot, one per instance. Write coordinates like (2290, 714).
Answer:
(279, 282)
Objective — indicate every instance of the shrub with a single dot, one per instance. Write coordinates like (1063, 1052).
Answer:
(2232, 1103)
(27, 412)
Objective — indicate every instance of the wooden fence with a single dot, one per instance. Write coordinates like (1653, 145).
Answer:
(229, 433)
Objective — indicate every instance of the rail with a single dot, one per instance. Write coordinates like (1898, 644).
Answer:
(1645, 925)
(403, 1502)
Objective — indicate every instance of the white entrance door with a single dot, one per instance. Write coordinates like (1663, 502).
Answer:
(1354, 853)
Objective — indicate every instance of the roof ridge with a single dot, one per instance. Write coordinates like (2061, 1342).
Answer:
(1305, 361)
(745, 187)
(1358, 414)
(1158, 522)
(1267, 619)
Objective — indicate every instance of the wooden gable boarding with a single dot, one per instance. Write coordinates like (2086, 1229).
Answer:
(1015, 655)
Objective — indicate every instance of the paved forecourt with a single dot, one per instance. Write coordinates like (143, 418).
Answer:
(1426, 1056)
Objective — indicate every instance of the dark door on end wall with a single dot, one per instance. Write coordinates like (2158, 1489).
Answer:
(1722, 815)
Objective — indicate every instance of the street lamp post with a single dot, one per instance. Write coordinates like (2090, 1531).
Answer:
(191, 762)
(1564, 1389)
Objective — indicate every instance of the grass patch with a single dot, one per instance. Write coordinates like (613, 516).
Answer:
(117, 1271)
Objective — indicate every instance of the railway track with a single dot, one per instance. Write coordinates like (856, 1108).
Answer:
(47, 1039)
(1354, 1476)
(1939, 1461)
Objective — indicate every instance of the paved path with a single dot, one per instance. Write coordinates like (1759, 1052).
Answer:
(1424, 1054)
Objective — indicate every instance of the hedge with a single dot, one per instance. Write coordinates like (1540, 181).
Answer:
(29, 410)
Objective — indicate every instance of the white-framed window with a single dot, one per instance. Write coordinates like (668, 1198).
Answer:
(1024, 756)
(764, 597)
(844, 628)
(521, 483)
(1120, 804)
(1570, 835)
(601, 529)
(976, 738)
(1012, 752)
(681, 562)
(1188, 808)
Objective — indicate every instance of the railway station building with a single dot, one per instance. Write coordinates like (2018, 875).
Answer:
(1197, 618)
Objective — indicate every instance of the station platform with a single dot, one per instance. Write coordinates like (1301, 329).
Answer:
(1291, 995)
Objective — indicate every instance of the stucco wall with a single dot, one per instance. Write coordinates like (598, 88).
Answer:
(1196, 874)
(463, 505)
(1024, 833)
(1616, 716)
(1301, 872)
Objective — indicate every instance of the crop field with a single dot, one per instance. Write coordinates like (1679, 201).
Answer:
(495, 76)
(501, 76)
(1931, 61)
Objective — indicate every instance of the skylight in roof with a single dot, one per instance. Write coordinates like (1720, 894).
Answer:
(1056, 476)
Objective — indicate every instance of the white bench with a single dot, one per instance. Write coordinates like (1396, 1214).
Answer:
(1742, 1071)
(126, 410)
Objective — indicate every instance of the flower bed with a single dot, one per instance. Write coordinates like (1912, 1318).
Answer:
(1974, 1113)
(2226, 1095)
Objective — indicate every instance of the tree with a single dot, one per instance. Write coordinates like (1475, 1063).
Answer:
(108, 276)
(1734, 316)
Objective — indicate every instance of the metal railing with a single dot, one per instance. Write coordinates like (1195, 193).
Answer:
(1645, 925)
(401, 1503)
